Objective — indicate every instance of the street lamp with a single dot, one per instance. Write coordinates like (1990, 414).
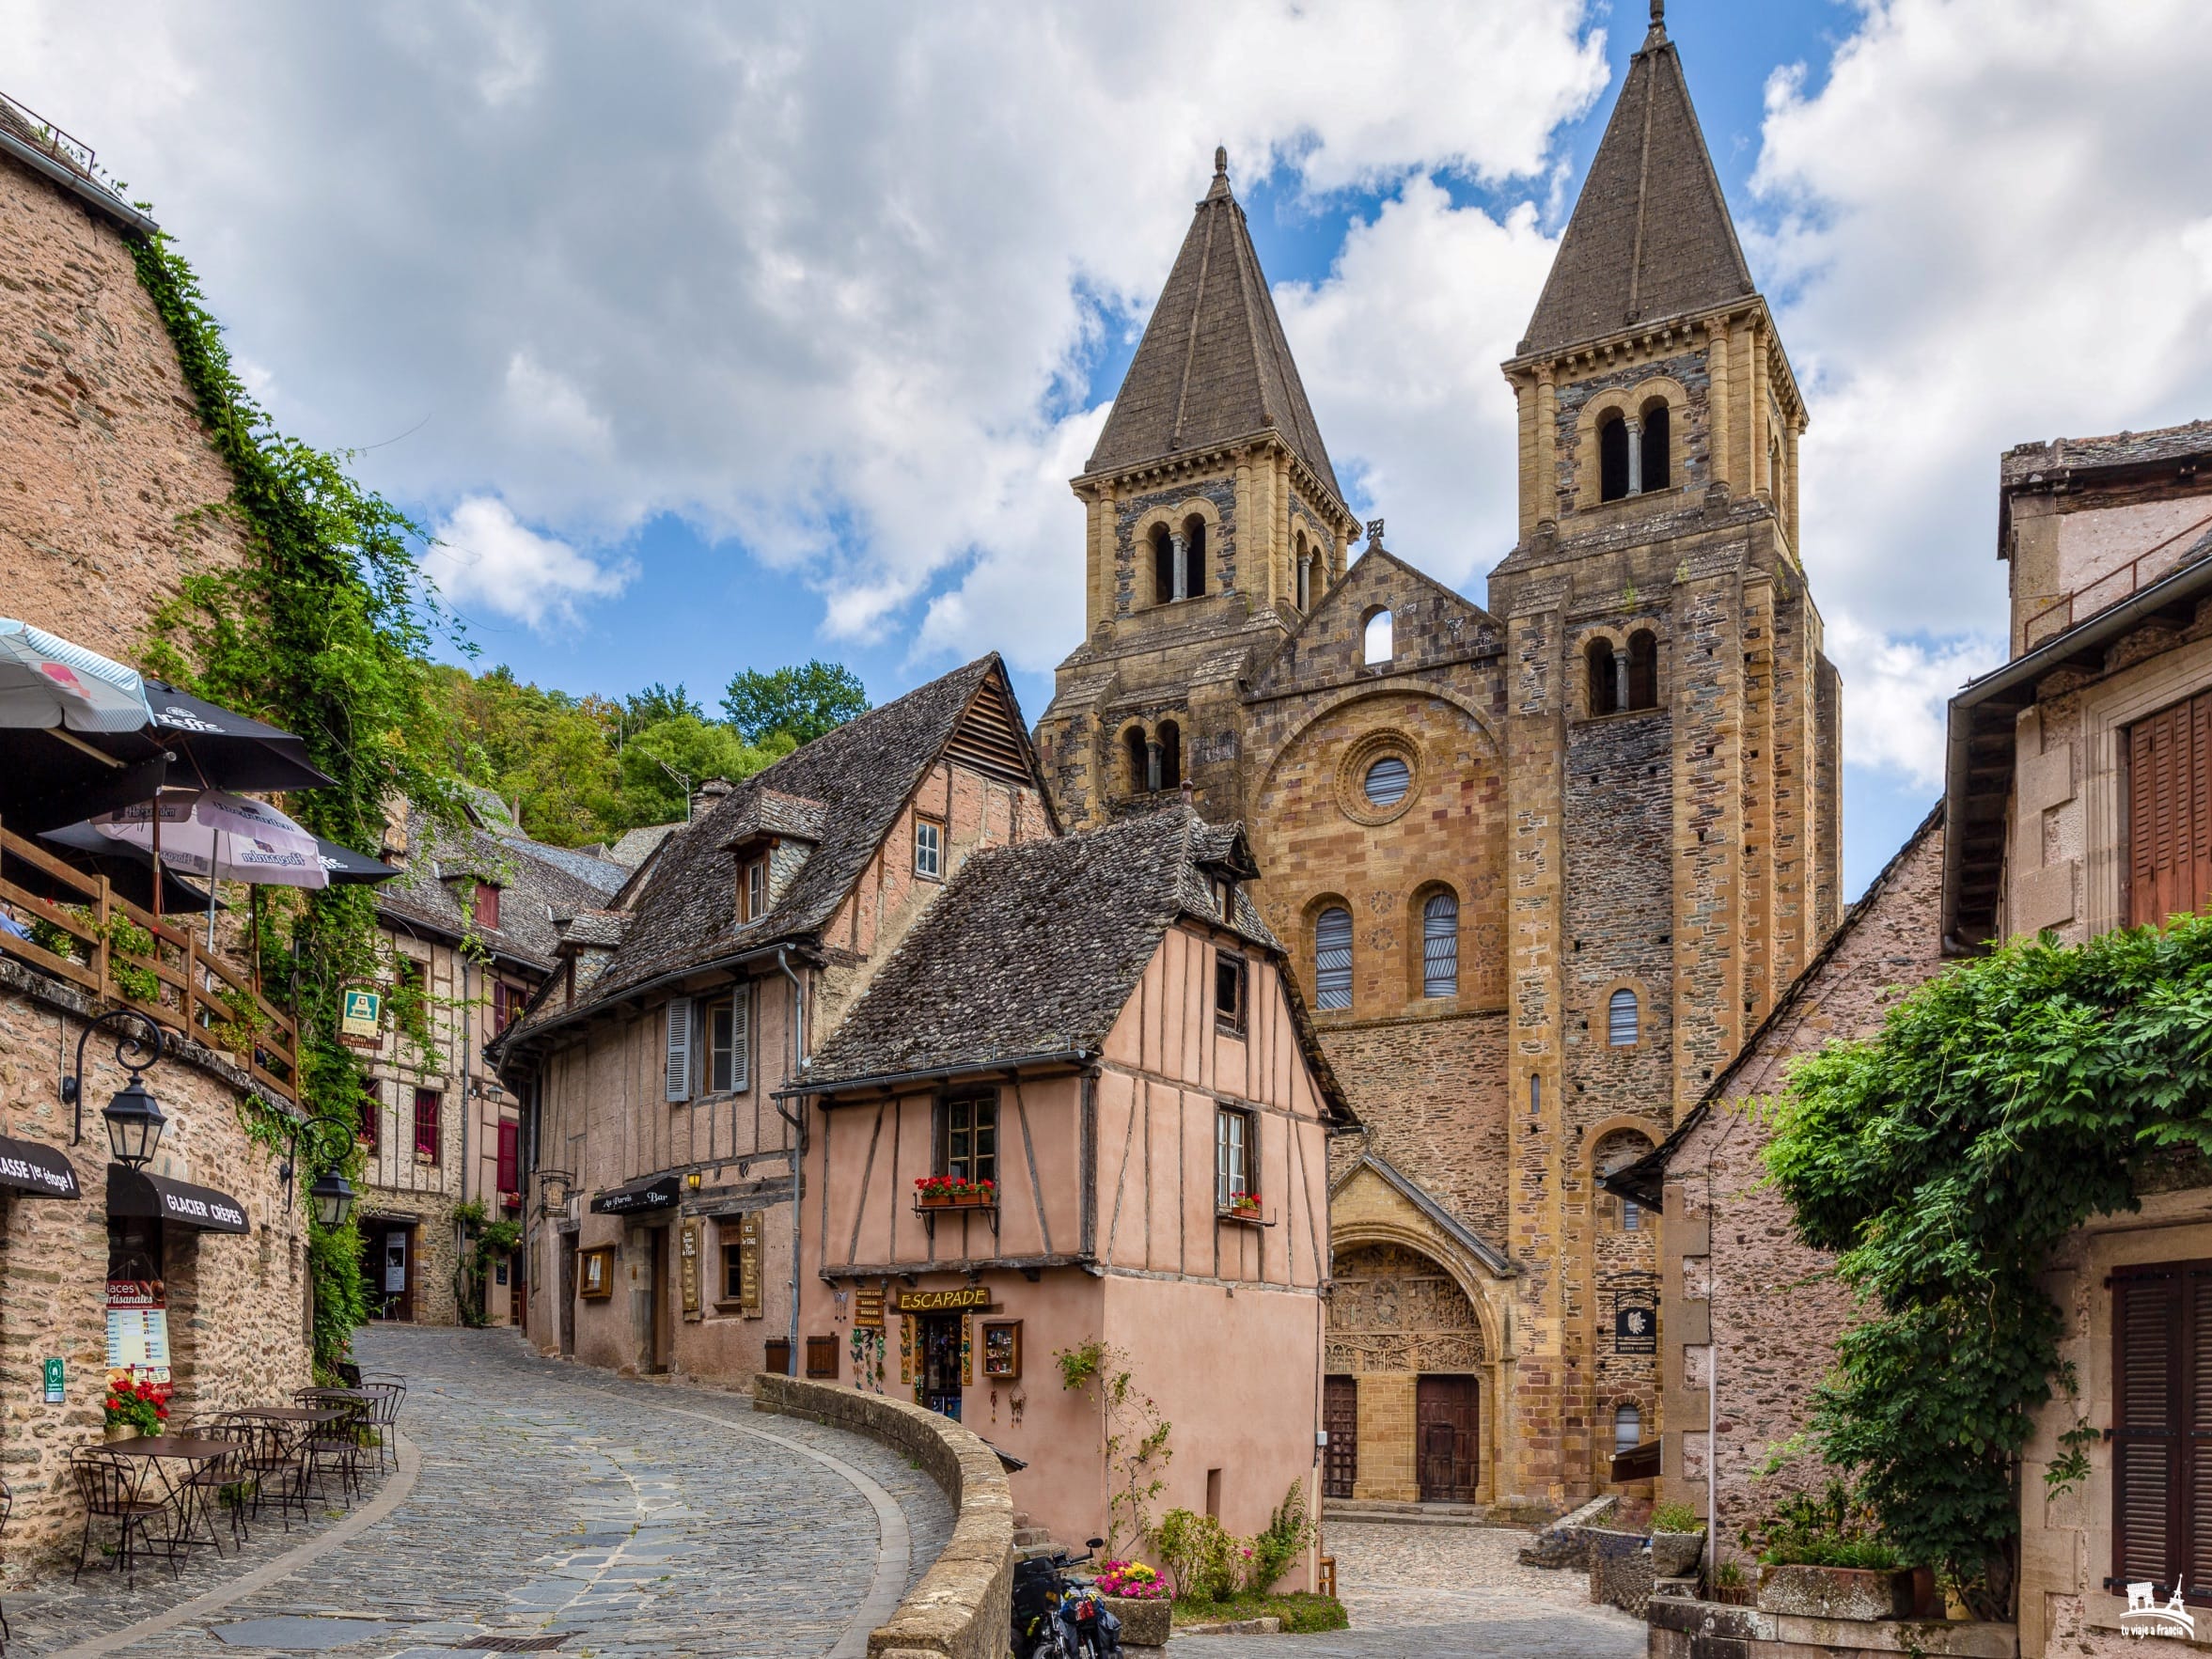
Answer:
(330, 1192)
(134, 1120)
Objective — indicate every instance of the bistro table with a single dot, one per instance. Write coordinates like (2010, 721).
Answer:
(156, 1450)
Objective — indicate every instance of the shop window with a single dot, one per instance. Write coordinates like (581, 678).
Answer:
(1379, 644)
(1604, 690)
(487, 905)
(1439, 945)
(428, 1111)
(1387, 781)
(1170, 776)
(2170, 811)
(727, 1059)
(1613, 458)
(1643, 669)
(1233, 1154)
(1332, 958)
(2161, 1452)
(1627, 1429)
(1620, 1019)
(929, 849)
(1653, 442)
(510, 1162)
(967, 1147)
(1232, 980)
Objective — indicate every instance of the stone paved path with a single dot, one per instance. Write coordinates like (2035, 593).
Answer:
(1443, 1593)
(633, 1518)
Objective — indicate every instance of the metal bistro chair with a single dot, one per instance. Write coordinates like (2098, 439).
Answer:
(110, 1486)
(335, 1446)
(269, 1464)
(389, 1394)
(205, 1488)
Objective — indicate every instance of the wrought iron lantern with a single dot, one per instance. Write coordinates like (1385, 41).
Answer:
(330, 1192)
(134, 1118)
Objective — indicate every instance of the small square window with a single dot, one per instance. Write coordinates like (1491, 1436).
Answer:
(1232, 979)
(929, 849)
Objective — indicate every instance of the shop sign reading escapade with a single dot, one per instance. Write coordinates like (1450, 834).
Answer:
(966, 1297)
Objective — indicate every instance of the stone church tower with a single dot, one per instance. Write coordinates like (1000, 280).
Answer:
(1544, 865)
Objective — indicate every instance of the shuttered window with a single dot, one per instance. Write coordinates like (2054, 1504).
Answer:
(1332, 959)
(728, 1047)
(678, 1069)
(1439, 945)
(1620, 1025)
(1387, 781)
(510, 1162)
(2162, 1428)
(2170, 811)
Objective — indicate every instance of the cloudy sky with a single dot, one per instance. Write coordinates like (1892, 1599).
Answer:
(719, 337)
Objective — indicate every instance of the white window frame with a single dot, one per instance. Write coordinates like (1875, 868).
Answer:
(929, 849)
(1236, 1136)
(739, 1053)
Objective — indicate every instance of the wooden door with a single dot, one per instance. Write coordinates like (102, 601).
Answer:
(1340, 1418)
(1445, 1415)
(660, 1334)
(568, 1293)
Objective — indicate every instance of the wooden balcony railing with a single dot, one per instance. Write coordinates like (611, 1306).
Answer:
(178, 983)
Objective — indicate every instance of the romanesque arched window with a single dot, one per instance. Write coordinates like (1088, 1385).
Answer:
(1139, 759)
(1613, 458)
(1379, 644)
(1170, 756)
(1439, 945)
(1194, 556)
(1605, 678)
(1332, 958)
(1643, 669)
(1653, 442)
(1163, 565)
(1620, 1019)
(1627, 1429)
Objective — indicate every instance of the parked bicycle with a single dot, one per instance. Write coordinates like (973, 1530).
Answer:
(1060, 1615)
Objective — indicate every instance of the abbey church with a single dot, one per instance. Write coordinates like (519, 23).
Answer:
(1542, 862)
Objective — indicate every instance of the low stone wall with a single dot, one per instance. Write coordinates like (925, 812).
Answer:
(964, 1606)
(1566, 1541)
(1684, 1629)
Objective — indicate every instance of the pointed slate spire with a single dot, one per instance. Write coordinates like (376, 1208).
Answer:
(1651, 236)
(1213, 365)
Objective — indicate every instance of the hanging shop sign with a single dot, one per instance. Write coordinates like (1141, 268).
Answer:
(749, 1263)
(966, 1297)
(360, 1018)
(868, 1307)
(647, 1192)
(687, 1269)
(1636, 1329)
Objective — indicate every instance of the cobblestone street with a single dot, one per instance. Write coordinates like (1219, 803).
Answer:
(1444, 1593)
(632, 1518)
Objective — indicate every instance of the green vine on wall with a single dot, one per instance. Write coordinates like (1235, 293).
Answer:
(324, 629)
(2004, 1103)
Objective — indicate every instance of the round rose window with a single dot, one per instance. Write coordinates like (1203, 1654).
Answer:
(1387, 781)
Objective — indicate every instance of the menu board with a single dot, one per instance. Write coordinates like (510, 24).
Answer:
(137, 1331)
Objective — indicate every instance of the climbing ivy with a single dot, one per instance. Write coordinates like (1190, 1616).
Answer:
(2004, 1103)
(324, 628)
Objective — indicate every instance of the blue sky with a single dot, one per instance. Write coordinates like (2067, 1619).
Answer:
(723, 334)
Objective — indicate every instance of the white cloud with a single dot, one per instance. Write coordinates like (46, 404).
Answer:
(484, 556)
(820, 278)
(1894, 694)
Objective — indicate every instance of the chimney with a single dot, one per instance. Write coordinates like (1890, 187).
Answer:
(709, 795)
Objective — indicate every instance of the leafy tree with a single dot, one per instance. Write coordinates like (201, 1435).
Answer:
(2004, 1103)
(657, 703)
(799, 703)
(662, 764)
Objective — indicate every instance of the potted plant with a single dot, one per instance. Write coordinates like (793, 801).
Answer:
(1678, 1539)
(135, 1408)
(953, 1192)
(1243, 1205)
(1822, 1556)
(1139, 1599)
(1729, 1584)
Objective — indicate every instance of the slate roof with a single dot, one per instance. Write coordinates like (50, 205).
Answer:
(534, 879)
(633, 847)
(771, 812)
(1213, 363)
(1035, 950)
(2036, 464)
(1651, 235)
(851, 782)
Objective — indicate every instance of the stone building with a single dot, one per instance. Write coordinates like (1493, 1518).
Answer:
(1101, 1027)
(661, 1170)
(1543, 865)
(104, 454)
(472, 924)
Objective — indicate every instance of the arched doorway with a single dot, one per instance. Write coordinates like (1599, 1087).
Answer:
(1406, 1358)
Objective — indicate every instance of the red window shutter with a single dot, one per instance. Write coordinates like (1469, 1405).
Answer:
(2170, 811)
(509, 1158)
(487, 905)
(2148, 1313)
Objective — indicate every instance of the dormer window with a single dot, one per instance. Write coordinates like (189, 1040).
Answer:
(752, 894)
(487, 905)
(1225, 899)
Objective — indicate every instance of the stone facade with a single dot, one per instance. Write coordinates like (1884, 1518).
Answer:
(1619, 780)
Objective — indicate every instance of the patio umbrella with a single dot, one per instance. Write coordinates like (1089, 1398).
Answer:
(52, 690)
(222, 749)
(222, 837)
(129, 869)
(48, 682)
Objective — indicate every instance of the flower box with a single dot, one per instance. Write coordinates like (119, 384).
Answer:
(953, 1192)
(956, 1201)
